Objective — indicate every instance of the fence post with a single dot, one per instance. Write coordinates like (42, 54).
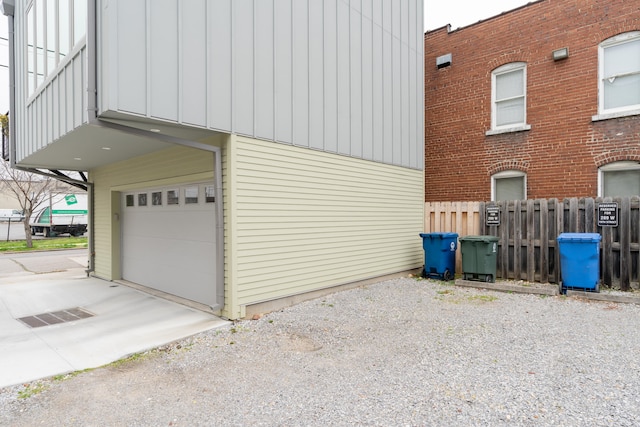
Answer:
(624, 231)
(607, 252)
(544, 240)
(559, 230)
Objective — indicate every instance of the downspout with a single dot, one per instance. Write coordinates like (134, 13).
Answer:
(92, 111)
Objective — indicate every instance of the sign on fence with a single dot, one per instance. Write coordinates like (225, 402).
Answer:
(608, 214)
(493, 215)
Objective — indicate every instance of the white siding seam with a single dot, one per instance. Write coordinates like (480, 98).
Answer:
(180, 65)
(147, 112)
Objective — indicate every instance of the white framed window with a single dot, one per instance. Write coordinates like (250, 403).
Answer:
(619, 72)
(509, 185)
(173, 197)
(54, 27)
(191, 195)
(509, 97)
(619, 179)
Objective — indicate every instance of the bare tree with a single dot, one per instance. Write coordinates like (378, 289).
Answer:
(32, 192)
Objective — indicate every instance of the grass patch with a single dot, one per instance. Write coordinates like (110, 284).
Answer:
(31, 390)
(135, 357)
(44, 244)
(450, 297)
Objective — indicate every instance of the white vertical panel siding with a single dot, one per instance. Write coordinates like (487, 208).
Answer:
(332, 75)
(307, 73)
(343, 78)
(243, 57)
(57, 107)
(219, 64)
(377, 90)
(300, 72)
(283, 71)
(367, 82)
(306, 220)
(387, 98)
(355, 72)
(405, 158)
(412, 114)
(316, 76)
(131, 53)
(164, 37)
(264, 69)
(193, 62)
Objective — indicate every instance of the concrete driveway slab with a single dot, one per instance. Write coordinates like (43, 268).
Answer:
(123, 321)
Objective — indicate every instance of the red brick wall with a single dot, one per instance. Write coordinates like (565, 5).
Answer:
(564, 148)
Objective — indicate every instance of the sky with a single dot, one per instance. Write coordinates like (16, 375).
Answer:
(437, 13)
(460, 13)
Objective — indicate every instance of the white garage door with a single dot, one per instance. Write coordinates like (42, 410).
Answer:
(169, 240)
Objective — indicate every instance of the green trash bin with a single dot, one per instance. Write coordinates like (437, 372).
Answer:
(479, 257)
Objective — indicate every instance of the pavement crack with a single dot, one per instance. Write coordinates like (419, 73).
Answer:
(24, 268)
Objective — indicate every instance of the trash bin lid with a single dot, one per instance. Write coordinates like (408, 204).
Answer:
(484, 239)
(439, 235)
(579, 237)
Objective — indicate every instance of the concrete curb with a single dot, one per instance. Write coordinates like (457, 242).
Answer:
(510, 287)
(604, 297)
(550, 290)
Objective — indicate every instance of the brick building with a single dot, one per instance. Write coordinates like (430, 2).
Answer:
(539, 102)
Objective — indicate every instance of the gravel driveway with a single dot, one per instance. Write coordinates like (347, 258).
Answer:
(399, 352)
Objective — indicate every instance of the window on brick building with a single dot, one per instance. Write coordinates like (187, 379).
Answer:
(619, 70)
(508, 96)
(509, 185)
(619, 179)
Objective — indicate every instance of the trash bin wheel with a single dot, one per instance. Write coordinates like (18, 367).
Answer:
(423, 273)
(488, 278)
(447, 275)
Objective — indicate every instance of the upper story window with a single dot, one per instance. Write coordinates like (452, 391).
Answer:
(619, 71)
(619, 179)
(509, 97)
(509, 185)
(53, 29)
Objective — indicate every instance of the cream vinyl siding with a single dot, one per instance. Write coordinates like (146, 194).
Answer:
(170, 166)
(304, 220)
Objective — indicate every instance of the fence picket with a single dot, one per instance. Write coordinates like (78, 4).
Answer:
(624, 229)
(528, 231)
(544, 241)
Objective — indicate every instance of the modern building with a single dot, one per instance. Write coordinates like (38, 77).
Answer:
(539, 102)
(239, 152)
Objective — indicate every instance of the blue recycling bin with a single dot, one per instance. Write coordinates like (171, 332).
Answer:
(439, 254)
(580, 261)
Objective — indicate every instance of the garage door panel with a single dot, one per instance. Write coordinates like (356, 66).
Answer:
(170, 248)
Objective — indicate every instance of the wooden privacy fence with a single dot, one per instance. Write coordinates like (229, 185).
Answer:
(528, 229)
